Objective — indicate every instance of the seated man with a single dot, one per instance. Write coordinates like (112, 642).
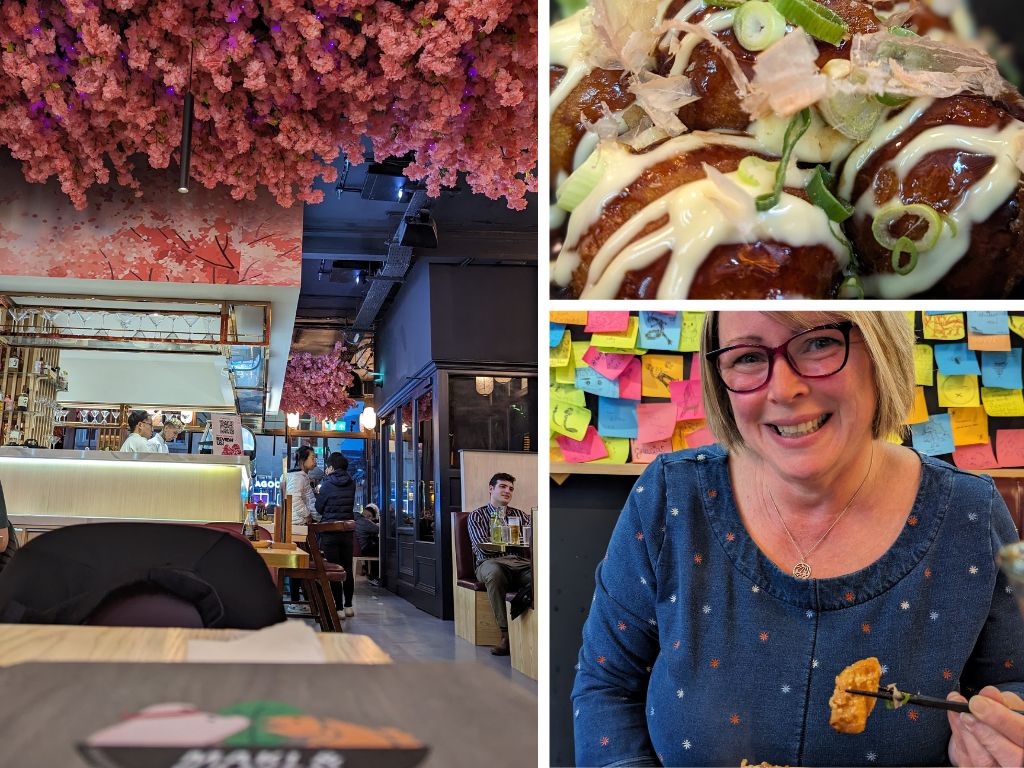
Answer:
(499, 572)
(368, 538)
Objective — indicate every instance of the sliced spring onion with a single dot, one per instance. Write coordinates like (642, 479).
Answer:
(851, 288)
(758, 25)
(852, 114)
(797, 127)
(904, 245)
(818, 190)
(888, 216)
(725, 3)
(891, 100)
(902, 32)
(581, 182)
(817, 20)
(950, 222)
(756, 171)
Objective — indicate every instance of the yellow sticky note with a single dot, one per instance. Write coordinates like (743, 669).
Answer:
(894, 437)
(567, 394)
(919, 413)
(564, 375)
(622, 340)
(658, 371)
(957, 391)
(555, 452)
(1002, 402)
(569, 318)
(1017, 324)
(970, 426)
(621, 351)
(689, 336)
(910, 315)
(618, 451)
(559, 355)
(945, 327)
(569, 420)
(579, 349)
(924, 365)
(988, 342)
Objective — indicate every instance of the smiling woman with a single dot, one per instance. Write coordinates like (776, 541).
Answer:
(806, 540)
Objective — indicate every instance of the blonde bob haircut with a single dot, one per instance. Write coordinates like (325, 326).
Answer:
(890, 344)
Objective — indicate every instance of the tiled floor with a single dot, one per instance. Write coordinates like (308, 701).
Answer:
(409, 634)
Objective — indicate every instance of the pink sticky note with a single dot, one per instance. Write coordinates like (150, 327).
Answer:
(644, 453)
(701, 437)
(589, 448)
(655, 421)
(975, 456)
(608, 364)
(607, 322)
(686, 395)
(630, 380)
(695, 366)
(1010, 447)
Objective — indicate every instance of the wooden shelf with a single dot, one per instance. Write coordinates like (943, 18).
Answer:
(567, 468)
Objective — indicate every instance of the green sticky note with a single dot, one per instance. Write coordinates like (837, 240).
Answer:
(564, 375)
(689, 337)
(569, 420)
(579, 349)
(618, 451)
(559, 355)
(567, 394)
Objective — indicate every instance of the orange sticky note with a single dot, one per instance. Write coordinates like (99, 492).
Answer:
(988, 343)
(970, 426)
(945, 327)
(684, 428)
(645, 453)
(919, 413)
(569, 318)
(655, 421)
(658, 372)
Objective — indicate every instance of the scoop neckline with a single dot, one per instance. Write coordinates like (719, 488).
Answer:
(835, 592)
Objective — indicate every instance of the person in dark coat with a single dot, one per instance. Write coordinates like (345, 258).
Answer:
(368, 538)
(334, 504)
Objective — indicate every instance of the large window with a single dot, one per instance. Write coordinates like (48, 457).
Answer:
(390, 472)
(492, 413)
(425, 455)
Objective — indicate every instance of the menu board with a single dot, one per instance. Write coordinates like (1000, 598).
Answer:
(625, 387)
(227, 434)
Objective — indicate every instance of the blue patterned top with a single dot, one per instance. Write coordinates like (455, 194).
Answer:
(699, 650)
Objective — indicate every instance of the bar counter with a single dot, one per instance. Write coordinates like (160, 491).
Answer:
(47, 489)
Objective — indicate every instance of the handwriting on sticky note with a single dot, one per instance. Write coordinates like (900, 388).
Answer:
(645, 453)
(655, 421)
(569, 420)
(591, 381)
(617, 448)
(1010, 447)
(991, 343)
(935, 436)
(943, 327)
(993, 323)
(1002, 402)
(616, 417)
(568, 394)
(558, 355)
(564, 375)
(970, 425)
(579, 349)
(956, 359)
(569, 318)
(693, 325)
(1002, 369)
(630, 381)
(608, 364)
(975, 456)
(617, 340)
(924, 366)
(659, 330)
(957, 391)
(589, 448)
(919, 413)
(688, 399)
(658, 372)
(607, 322)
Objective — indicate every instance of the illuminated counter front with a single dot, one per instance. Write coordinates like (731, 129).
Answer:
(46, 489)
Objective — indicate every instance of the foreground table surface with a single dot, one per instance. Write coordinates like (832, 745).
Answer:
(466, 713)
(36, 642)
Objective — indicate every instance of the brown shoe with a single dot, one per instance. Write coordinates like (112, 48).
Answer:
(501, 649)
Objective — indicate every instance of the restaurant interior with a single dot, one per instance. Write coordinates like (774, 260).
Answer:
(378, 304)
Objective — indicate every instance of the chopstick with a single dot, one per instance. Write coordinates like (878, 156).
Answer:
(921, 701)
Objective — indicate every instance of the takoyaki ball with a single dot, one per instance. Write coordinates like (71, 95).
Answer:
(955, 160)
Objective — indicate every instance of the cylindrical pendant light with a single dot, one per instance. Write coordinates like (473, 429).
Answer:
(186, 143)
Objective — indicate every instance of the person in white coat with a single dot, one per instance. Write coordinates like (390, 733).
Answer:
(172, 428)
(140, 425)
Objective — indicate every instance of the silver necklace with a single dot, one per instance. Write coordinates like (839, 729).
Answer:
(802, 570)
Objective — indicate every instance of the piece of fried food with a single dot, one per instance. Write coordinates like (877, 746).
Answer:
(849, 711)
(745, 764)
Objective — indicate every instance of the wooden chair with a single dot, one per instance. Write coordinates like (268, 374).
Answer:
(474, 619)
(358, 557)
(316, 580)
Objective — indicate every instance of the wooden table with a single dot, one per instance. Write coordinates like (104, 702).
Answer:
(37, 642)
(283, 555)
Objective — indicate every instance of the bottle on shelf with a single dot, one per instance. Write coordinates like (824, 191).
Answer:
(23, 400)
(37, 367)
(14, 436)
(13, 362)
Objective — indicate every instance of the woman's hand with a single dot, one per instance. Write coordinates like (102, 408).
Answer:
(991, 735)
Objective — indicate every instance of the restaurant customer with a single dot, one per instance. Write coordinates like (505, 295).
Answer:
(299, 488)
(8, 538)
(334, 505)
(140, 428)
(171, 429)
(741, 578)
(499, 572)
(368, 539)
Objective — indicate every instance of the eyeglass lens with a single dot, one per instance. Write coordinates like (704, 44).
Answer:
(813, 353)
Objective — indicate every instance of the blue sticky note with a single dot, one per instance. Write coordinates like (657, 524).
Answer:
(556, 334)
(935, 436)
(992, 323)
(590, 380)
(616, 418)
(1002, 369)
(659, 330)
(956, 359)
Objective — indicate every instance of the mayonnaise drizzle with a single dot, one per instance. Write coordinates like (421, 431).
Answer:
(566, 48)
(977, 203)
(699, 219)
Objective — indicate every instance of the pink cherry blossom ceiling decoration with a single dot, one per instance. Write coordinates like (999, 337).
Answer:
(318, 384)
(280, 86)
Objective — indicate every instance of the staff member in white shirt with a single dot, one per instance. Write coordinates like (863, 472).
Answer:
(141, 427)
(299, 487)
(172, 428)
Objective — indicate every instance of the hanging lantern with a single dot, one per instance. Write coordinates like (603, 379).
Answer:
(501, 380)
(484, 385)
(293, 420)
(186, 417)
(368, 418)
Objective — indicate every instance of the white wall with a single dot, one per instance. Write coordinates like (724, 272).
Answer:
(478, 467)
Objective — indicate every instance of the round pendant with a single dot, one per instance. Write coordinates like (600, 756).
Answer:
(802, 570)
